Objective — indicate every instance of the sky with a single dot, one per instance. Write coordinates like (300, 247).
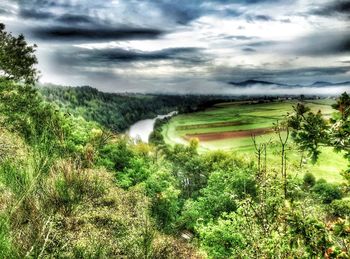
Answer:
(188, 46)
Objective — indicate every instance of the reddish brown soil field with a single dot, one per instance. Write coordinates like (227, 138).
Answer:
(228, 134)
(210, 125)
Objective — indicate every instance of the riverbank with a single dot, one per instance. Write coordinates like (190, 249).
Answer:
(142, 129)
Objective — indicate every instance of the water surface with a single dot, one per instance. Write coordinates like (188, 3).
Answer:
(142, 129)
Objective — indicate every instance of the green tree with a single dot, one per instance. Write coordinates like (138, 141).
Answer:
(165, 202)
(17, 58)
(311, 130)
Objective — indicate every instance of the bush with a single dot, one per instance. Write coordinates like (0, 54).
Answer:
(222, 239)
(69, 185)
(309, 180)
(165, 247)
(340, 208)
(327, 192)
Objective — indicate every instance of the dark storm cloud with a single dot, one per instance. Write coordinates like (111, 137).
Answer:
(6, 11)
(96, 57)
(35, 14)
(249, 50)
(316, 71)
(184, 11)
(323, 44)
(101, 20)
(180, 12)
(271, 84)
(307, 74)
(264, 18)
(259, 18)
(75, 18)
(95, 33)
(338, 7)
(257, 44)
(253, 1)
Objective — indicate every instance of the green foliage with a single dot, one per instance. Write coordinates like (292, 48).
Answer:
(116, 155)
(327, 192)
(136, 172)
(165, 203)
(250, 232)
(340, 208)
(309, 180)
(62, 190)
(17, 58)
(224, 238)
(189, 168)
(342, 106)
(221, 194)
(6, 249)
(156, 137)
(311, 231)
(311, 130)
(16, 178)
(69, 185)
(116, 111)
(24, 112)
(285, 233)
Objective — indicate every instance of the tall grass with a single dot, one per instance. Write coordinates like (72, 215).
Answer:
(6, 249)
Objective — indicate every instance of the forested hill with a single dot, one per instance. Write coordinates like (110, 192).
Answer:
(118, 111)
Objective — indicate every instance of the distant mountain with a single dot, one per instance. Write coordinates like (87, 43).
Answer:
(320, 84)
(253, 82)
(325, 84)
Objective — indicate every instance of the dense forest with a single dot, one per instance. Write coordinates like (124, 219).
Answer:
(118, 111)
(73, 189)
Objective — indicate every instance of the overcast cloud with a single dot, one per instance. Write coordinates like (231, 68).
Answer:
(187, 46)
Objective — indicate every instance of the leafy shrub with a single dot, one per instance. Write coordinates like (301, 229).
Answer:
(222, 239)
(310, 230)
(116, 156)
(327, 192)
(137, 171)
(309, 180)
(165, 203)
(340, 208)
(221, 194)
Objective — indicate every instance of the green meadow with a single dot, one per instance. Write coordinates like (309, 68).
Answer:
(246, 117)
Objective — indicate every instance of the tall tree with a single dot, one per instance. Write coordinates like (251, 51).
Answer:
(312, 131)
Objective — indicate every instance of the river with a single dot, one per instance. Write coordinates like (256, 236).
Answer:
(143, 128)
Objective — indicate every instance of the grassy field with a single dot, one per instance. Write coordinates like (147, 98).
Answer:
(228, 126)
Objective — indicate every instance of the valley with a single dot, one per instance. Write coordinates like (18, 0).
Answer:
(230, 126)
